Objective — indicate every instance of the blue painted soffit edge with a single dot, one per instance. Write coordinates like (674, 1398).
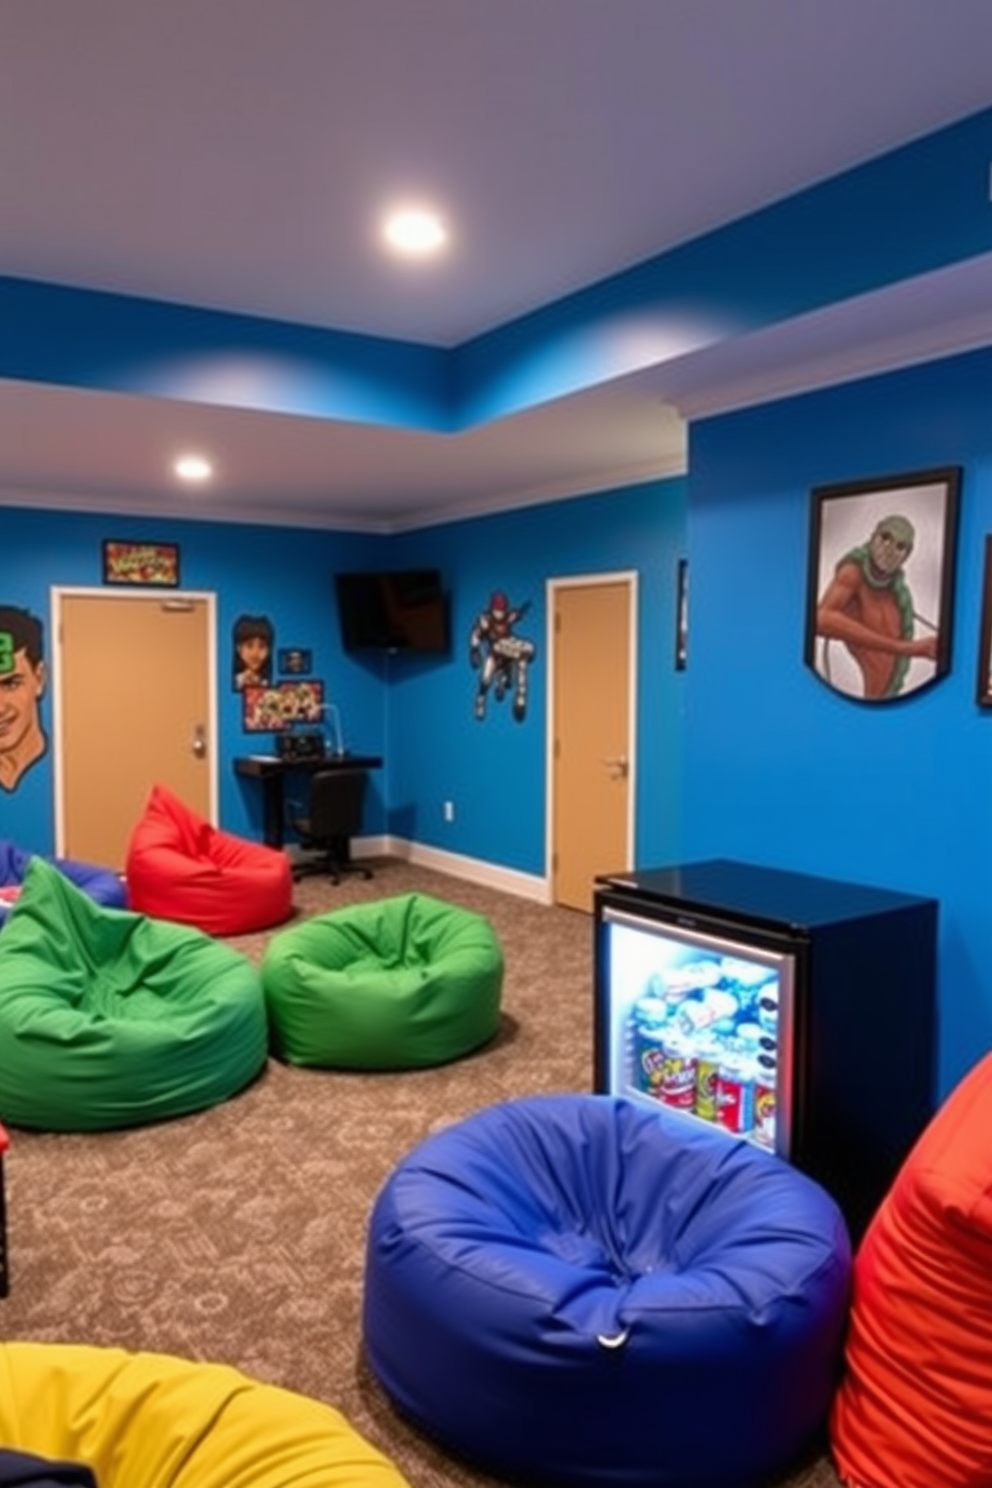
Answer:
(124, 344)
(919, 208)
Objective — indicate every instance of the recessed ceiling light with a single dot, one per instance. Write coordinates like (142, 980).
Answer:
(415, 231)
(193, 468)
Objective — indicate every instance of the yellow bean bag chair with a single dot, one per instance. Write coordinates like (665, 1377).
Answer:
(143, 1420)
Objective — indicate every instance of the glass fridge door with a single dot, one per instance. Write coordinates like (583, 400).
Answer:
(700, 1023)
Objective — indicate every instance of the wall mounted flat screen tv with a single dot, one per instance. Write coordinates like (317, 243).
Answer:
(393, 610)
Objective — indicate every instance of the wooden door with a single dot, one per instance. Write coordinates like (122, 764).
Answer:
(134, 692)
(593, 655)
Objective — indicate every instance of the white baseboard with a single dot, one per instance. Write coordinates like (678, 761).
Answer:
(474, 870)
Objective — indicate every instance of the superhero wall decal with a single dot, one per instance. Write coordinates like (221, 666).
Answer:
(23, 676)
(501, 657)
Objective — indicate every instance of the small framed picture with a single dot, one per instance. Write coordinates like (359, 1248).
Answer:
(880, 583)
(295, 661)
(985, 636)
(681, 614)
(276, 708)
(148, 563)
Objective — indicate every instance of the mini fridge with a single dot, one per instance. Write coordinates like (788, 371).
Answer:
(791, 1011)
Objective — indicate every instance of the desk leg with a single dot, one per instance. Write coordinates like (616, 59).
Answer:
(272, 810)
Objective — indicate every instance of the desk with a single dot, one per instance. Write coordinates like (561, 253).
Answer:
(272, 771)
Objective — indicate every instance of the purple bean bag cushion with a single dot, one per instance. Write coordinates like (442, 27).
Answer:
(580, 1290)
(102, 884)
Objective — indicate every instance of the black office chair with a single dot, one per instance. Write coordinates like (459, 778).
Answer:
(333, 816)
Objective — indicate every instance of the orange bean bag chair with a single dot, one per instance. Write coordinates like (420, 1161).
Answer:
(179, 867)
(914, 1407)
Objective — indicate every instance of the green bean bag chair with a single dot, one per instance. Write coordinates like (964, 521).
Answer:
(396, 983)
(109, 1018)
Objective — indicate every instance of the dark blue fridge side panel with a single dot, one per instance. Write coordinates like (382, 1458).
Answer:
(871, 1052)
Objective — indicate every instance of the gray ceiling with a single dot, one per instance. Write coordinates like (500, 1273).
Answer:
(236, 154)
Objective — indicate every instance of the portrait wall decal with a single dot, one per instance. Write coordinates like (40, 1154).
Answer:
(253, 639)
(23, 677)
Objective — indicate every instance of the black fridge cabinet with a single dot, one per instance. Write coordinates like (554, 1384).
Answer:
(792, 1011)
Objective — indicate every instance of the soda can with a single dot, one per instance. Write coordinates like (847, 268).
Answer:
(750, 1035)
(715, 1006)
(735, 1092)
(764, 1109)
(695, 976)
(678, 1071)
(649, 1019)
(709, 1052)
(768, 1007)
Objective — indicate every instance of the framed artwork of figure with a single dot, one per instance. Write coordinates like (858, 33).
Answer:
(880, 583)
(985, 634)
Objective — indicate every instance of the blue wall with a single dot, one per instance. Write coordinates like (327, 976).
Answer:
(283, 574)
(417, 712)
(494, 769)
(780, 770)
(746, 754)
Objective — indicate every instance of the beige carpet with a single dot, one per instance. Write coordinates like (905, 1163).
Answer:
(238, 1234)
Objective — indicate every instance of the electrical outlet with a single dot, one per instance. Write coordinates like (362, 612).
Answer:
(449, 810)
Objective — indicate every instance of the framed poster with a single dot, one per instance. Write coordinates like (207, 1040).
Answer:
(985, 634)
(272, 710)
(155, 563)
(880, 583)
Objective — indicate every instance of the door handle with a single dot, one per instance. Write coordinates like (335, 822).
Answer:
(618, 766)
(199, 744)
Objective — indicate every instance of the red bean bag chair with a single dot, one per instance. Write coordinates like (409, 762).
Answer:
(181, 868)
(914, 1407)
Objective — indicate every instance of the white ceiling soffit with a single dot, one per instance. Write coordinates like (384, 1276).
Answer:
(237, 156)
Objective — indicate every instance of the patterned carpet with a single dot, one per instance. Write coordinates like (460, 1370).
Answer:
(238, 1234)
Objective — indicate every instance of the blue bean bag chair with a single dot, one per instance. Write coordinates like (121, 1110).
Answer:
(578, 1289)
(102, 884)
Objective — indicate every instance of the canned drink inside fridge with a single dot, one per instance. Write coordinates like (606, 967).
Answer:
(715, 1006)
(768, 1007)
(750, 1035)
(678, 1079)
(709, 1051)
(767, 1063)
(735, 1091)
(694, 976)
(649, 1020)
(764, 1109)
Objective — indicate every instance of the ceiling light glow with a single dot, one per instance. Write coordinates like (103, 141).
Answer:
(415, 231)
(193, 468)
